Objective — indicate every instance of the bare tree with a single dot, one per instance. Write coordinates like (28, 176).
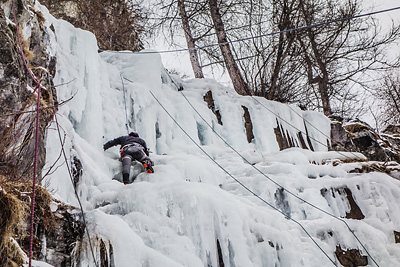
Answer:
(171, 16)
(318, 67)
(238, 82)
(389, 94)
(270, 64)
(285, 11)
(194, 58)
(337, 54)
(117, 24)
(202, 22)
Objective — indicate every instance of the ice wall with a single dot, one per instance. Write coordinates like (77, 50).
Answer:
(190, 212)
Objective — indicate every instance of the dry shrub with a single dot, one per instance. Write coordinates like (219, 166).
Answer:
(40, 18)
(11, 213)
(355, 127)
(117, 24)
(43, 214)
(25, 46)
(15, 206)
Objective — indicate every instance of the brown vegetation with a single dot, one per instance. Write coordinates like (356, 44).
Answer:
(25, 46)
(15, 203)
(11, 213)
(117, 24)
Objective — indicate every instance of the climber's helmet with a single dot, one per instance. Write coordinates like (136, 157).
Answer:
(134, 134)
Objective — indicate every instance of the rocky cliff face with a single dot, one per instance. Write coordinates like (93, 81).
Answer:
(58, 229)
(357, 136)
(17, 99)
(13, 85)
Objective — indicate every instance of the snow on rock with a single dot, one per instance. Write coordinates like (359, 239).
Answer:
(190, 212)
(39, 264)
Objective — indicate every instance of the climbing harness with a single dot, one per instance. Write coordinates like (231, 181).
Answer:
(122, 149)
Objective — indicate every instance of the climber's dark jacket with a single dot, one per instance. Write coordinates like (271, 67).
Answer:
(132, 148)
(126, 140)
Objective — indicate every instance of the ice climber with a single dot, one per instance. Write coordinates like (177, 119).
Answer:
(132, 148)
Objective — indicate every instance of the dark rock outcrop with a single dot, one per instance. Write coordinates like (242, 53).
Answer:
(59, 228)
(77, 170)
(208, 97)
(350, 257)
(355, 211)
(281, 137)
(57, 232)
(57, 244)
(392, 135)
(301, 139)
(220, 257)
(248, 125)
(284, 139)
(392, 129)
(396, 236)
(281, 202)
(366, 141)
(358, 136)
(13, 83)
(341, 140)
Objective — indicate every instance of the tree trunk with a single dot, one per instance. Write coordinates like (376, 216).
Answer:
(323, 91)
(285, 42)
(323, 81)
(323, 78)
(194, 58)
(276, 69)
(238, 82)
(323, 85)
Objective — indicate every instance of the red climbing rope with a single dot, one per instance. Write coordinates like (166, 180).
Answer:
(34, 177)
(21, 50)
(39, 86)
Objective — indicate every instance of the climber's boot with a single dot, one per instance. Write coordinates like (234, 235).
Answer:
(147, 164)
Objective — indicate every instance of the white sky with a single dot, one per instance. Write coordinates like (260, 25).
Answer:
(180, 61)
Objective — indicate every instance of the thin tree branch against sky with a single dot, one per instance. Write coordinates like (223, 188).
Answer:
(326, 41)
(180, 61)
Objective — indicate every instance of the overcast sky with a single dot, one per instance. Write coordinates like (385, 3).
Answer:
(180, 61)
